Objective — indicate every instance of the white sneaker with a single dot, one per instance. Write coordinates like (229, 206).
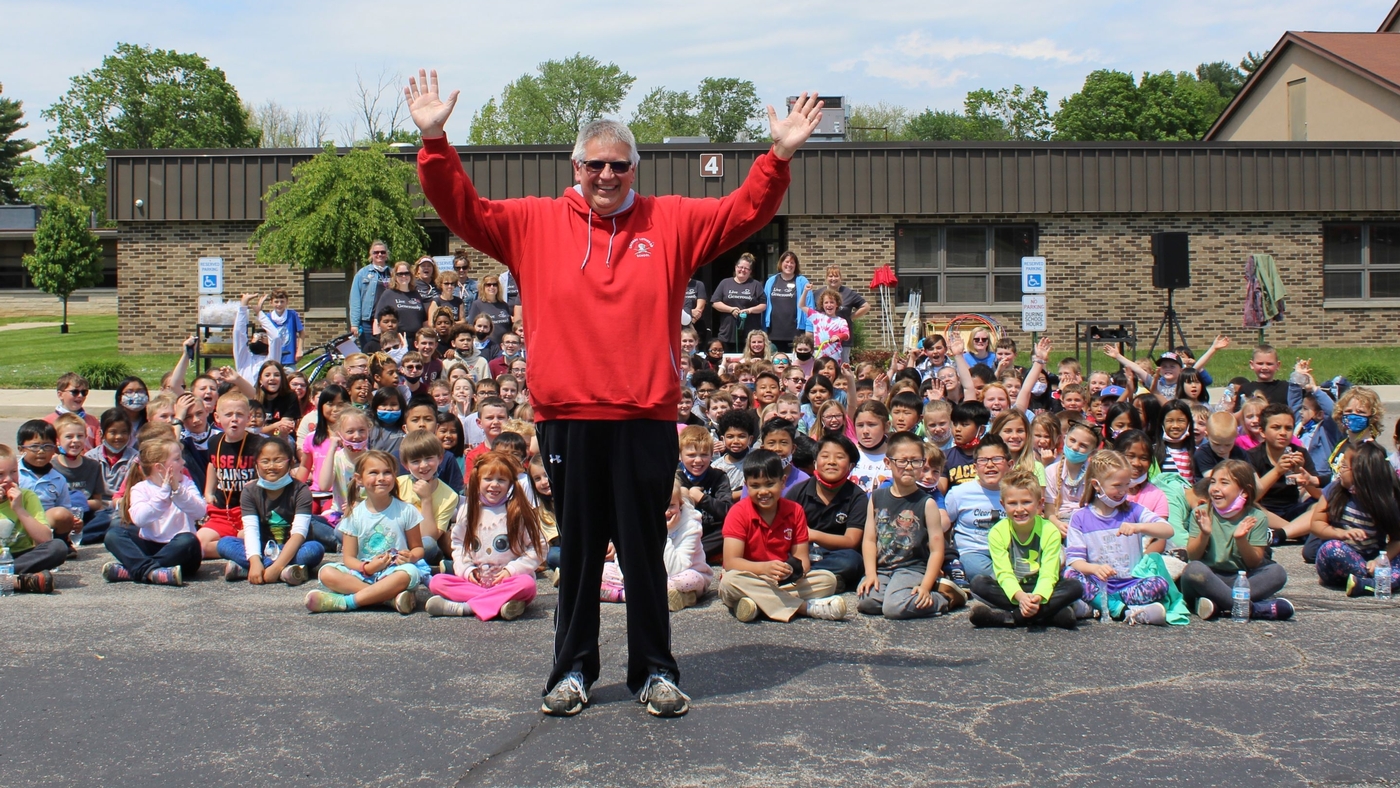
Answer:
(831, 608)
(1154, 614)
(438, 606)
(1082, 610)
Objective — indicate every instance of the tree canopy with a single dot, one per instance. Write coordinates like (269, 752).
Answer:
(336, 205)
(11, 147)
(549, 108)
(1159, 107)
(721, 108)
(67, 256)
(138, 98)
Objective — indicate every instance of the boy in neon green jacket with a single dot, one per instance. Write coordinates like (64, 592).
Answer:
(1026, 553)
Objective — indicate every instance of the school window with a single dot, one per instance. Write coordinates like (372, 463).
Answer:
(1361, 261)
(328, 289)
(962, 265)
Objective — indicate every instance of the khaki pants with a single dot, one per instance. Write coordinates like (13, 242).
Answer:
(778, 602)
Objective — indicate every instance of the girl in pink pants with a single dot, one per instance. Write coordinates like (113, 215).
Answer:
(496, 544)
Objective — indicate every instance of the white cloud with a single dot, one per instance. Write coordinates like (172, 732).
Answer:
(917, 44)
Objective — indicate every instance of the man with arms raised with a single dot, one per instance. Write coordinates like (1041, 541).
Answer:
(602, 261)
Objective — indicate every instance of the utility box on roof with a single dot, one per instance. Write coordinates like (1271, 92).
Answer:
(833, 125)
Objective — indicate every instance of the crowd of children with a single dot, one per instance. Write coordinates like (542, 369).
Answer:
(411, 477)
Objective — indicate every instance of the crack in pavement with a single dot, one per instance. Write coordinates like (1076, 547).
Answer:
(506, 748)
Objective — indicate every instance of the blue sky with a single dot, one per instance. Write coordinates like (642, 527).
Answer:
(910, 52)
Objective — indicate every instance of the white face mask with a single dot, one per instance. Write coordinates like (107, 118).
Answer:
(1038, 388)
(1140, 480)
(1113, 503)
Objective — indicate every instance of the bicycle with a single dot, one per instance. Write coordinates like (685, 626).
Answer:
(329, 355)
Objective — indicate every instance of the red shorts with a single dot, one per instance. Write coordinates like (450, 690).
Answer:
(225, 522)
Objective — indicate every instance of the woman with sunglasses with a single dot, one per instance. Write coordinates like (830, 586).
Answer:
(404, 298)
(447, 299)
(368, 284)
(491, 303)
(980, 350)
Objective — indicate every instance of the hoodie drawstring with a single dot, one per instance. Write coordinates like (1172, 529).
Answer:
(588, 239)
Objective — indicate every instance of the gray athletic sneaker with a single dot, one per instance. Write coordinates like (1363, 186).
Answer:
(294, 575)
(405, 602)
(1154, 614)
(438, 606)
(662, 697)
(568, 697)
(233, 572)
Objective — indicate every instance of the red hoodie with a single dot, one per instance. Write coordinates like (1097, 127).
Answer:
(602, 291)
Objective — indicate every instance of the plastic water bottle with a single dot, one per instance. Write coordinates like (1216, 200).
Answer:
(272, 550)
(7, 573)
(1382, 578)
(1239, 597)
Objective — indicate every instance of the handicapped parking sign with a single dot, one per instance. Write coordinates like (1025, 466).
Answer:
(1032, 274)
(211, 276)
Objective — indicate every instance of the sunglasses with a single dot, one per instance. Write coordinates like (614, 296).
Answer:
(402, 273)
(618, 167)
(78, 392)
(459, 268)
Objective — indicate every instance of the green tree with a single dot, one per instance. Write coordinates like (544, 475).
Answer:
(1226, 78)
(1106, 108)
(877, 122)
(67, 256)
(934, 124)
(11, 148)
(1021, 113)
(550, 108)
(1162, 106)
(1251, 62)
(139, 98)
(335, 206)
(664, 113)
(1177, 107)
(725, 107)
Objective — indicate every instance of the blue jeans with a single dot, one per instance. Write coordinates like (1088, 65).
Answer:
(140, 556)
(978, 563)
(324, 533)
(95, 527)
(309, 554)
(551, 558)
(848, 565)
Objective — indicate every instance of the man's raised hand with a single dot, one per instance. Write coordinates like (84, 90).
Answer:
(791, 132)
(429, 112)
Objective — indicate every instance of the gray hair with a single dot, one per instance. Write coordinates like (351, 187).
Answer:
(377, 242)
(609, 132)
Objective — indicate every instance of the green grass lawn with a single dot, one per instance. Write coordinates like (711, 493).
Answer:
(1231, 362)
(35, 357)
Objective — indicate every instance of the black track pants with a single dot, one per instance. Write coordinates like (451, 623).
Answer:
(611, 481)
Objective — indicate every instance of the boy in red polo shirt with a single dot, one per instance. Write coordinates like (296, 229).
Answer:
(766, 566)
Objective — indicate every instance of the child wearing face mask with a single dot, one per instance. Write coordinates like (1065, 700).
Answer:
(1228, 536)
(348, 443)
(115, 454)
(1105, 545)
(276, 513)
(1066, 480)
(496, 547)
(936, 424)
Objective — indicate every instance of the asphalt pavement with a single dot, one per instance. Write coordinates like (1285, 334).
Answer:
(224, 684)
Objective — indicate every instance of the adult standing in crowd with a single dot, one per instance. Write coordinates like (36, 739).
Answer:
(365, 289)
(696, 298)
(425, 273)
(784, 318)
(466, 286)
(491, 303)
(608, 436)
(403, 297)
(740, 300)
(853, 304)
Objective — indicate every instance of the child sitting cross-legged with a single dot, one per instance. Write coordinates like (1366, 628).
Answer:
(276, 514)
(1026, 588)
(382, 550)
(688, 575)
(38, 442)
(496, 547)
(421, 453)
(1105, 544)
(25, 532)
(162, 505)
(903, 545)
(1357, 522)
(765, 552)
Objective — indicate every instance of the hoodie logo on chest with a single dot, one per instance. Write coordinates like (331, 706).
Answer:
(641, 247)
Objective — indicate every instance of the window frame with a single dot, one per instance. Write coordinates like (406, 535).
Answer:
(1364, 267)
(941, 272)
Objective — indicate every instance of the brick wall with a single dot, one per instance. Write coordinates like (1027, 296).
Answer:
(1101, 267)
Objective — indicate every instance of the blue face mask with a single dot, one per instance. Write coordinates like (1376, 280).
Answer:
(389, 417)
(275, 484)
(1075, 456)
(1356, 422)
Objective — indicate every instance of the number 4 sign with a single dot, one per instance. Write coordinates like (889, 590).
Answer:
(712, 165)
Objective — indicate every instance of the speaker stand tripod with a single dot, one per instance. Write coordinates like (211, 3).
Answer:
(1172, 324)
